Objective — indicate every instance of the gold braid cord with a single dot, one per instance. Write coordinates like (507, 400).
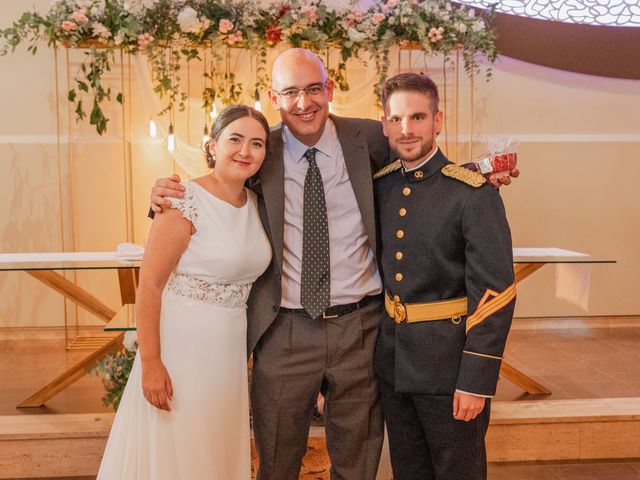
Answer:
(462, 174)
(488, 307)
(392, 167)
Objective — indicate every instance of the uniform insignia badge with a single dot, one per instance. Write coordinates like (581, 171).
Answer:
(392, 167)
(473, 179)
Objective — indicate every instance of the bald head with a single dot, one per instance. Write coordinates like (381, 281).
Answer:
(291, 60)
(301, 92)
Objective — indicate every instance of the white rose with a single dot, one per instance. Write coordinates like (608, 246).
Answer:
(119, 38)
(478, 26)
(461, 27)
(188, 20)
(355, 35)
(130, 341)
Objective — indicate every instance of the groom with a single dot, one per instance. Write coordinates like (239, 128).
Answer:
(313, 316)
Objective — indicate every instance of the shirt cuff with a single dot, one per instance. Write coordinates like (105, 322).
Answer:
(474, 394)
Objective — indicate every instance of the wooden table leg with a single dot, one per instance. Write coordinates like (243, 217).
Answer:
(74, 293)
(128, 278)
(71, 375)
(508, 372)
(128, 282)
(523, 381)
(523, 270)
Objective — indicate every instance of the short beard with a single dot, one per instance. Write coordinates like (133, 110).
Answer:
(422, 153)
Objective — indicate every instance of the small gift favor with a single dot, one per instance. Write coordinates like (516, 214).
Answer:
(501, 159)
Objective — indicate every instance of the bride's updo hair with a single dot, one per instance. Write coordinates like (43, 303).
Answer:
(228, 116)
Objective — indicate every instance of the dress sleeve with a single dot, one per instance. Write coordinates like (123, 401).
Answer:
(188, 205)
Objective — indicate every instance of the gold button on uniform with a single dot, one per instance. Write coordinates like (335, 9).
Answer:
(403, 212)
(399, 234)
(406, 191)
(418, 174)
(399, 255)
(398, 277)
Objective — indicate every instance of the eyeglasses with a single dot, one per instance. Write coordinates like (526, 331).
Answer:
(294, 93)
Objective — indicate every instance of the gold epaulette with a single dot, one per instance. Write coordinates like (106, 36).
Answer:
(467, 176)
(392, 167)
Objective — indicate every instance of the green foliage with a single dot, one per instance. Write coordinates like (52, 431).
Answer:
(170, 32)
(115, 369)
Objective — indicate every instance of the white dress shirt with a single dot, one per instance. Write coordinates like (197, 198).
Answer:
(354, 272)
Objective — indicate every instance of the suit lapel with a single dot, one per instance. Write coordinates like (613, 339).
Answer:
(356, 157)
(272, 184)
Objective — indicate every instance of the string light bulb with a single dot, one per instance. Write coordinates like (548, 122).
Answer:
(153, 129)
(171, 139)
(214, 111)
(257, 105)
(330, 107)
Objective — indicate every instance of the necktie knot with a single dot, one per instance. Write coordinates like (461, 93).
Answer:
(310, 154)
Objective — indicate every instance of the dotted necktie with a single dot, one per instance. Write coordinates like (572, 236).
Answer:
(315, 283)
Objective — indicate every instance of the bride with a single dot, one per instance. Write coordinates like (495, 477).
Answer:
(184, 413)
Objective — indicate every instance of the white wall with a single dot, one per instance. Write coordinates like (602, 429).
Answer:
(579, 153)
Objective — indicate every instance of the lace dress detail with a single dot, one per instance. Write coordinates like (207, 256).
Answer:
(203, 338)
(189, 288)
(188, 205)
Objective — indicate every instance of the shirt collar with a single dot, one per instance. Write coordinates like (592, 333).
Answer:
(326, 145)
(422, 164)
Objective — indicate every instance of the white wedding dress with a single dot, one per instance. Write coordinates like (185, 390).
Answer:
(203, 345)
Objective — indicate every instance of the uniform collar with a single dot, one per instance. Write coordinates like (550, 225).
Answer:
(426, 169)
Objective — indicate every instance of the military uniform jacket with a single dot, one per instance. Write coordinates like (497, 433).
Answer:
(444, 236)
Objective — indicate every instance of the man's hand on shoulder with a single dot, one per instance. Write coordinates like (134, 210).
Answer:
(165, 187)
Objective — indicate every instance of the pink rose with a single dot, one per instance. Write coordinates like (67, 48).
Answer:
(378, 17)
(435, 34)
(234, 37)
(311, 11)
(143, 41)
(80, 17)
(355, 16)
(392, 3)
(68, 26)
(225, 26)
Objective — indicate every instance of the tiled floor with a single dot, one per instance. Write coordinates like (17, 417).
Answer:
(567, 471)
(595, 358)
(629, 470)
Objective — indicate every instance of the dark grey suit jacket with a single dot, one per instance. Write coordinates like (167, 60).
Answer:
(365, 151)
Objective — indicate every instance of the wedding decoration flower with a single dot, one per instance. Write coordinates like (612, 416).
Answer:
(169, 32)
(115, 368)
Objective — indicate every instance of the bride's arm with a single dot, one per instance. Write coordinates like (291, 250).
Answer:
(168, 239)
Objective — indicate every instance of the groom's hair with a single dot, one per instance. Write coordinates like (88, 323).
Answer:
(411, 82)
(228, 116)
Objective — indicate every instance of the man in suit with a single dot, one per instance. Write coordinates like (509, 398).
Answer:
(313, 316)
(446, 258)
(313, 330)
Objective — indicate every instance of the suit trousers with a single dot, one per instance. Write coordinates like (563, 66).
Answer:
(427, 443)
(295, 358)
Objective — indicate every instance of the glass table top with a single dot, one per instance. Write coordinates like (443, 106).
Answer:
(67, 265)
(123, 321)
(110, 260)
(66, 261)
